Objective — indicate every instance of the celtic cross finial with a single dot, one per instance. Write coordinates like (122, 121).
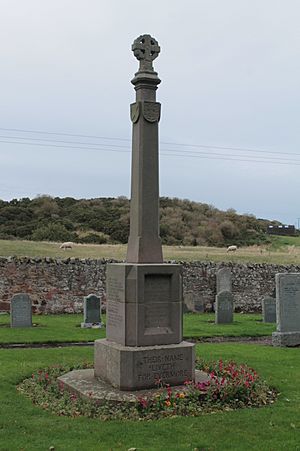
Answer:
(145, 49)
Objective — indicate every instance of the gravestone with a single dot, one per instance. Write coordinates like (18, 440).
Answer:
(20, 311)
(223, 280)
(194, 303)
(269, 309)
(91, 312)
(224, 307)
(144, 296)
(287, 310)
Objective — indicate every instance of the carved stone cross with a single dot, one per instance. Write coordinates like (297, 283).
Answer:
(145, 49)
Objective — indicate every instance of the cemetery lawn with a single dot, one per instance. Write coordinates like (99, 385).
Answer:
(66, 328)
(275, 427)
(282, 250)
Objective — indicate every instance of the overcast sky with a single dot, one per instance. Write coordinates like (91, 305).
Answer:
(230, 74)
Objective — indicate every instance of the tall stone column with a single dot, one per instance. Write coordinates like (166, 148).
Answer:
(144, 296)
(144, 245)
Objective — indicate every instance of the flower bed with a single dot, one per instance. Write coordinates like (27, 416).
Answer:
(229, 386)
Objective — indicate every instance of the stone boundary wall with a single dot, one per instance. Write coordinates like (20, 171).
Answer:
(59, 285)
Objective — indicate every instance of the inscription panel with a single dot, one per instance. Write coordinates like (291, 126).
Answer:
(115, 322)
(115, 284)
(157, 288)
(288, 302)
(166, 366)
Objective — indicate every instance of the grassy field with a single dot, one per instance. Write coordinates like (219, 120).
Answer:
(24, 426)
(282, 250)
(66, 328)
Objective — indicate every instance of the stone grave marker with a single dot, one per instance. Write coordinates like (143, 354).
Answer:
(224, 307)
(194, 303)
(20, 311)
(269, 309)
(287, 310)
(91, 312)
(223, 280)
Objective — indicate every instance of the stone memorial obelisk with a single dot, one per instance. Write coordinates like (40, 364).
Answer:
(144, 296)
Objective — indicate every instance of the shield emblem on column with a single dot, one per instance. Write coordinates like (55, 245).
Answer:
(151, 111)
(135, 112)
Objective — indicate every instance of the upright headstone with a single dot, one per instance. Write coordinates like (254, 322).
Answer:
(224, 307)
(194, 302)
(91, 312)
(269, 309)
(287, 310)
(144, 296)
(20, 311)
(224, 280)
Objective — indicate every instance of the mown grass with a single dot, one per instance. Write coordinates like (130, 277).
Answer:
(283, 250)
(66, 328)
(24, 426)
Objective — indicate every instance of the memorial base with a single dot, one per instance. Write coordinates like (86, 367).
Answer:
(137, 368)
(288, 339)
(83, 383)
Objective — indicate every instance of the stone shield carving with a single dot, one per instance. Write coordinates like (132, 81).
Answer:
(135, 112)
(151, 111)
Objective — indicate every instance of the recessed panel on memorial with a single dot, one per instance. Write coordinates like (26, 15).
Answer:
(157, 288)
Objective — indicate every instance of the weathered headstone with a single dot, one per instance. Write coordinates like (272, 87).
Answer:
(144, 296)
(224, 307)
(287, 310)
(269, 309)
(224, 280)
(20, 311)
(194, 303)
(91, 312)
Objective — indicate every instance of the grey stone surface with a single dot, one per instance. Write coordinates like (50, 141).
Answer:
(194, 302)
(223, 277)
(269, 309)
(144, 304)
(287, 339)
(21, 311)
(91, 311)
(85, 384)
(144, 244)
(287, 310)
(144, 296)
(224, 307)
(288, 302)
(129, 368)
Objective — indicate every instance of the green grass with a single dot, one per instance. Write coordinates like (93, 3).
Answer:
(283, 250)
(24, 426)
(65, 328)
(49, 329)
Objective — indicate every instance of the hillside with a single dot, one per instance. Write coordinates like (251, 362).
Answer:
(106, 220)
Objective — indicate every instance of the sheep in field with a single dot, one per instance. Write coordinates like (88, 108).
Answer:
(231, 248)
(67, 245)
